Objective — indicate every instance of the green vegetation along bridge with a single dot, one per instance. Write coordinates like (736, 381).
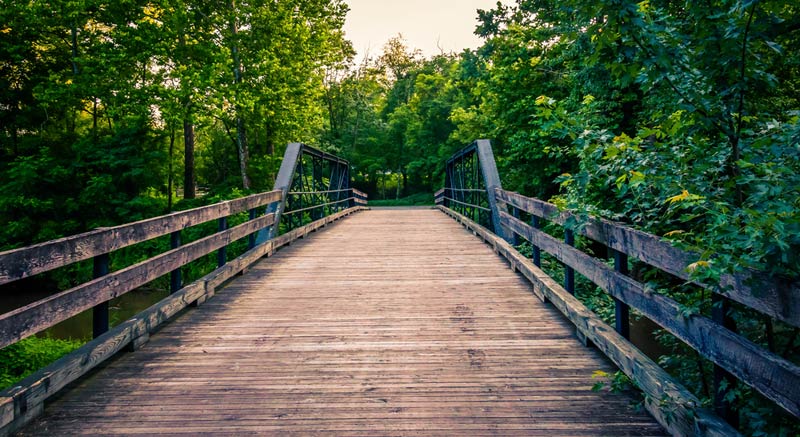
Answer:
(387, 322)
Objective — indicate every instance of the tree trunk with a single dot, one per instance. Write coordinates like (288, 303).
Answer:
(188, 169)
(241, 137)
(74, 35)
(189, 178)
(15, 139)
(74, 49)
(244, 155)
(169, 166)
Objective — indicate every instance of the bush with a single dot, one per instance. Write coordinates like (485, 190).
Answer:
(29, 355)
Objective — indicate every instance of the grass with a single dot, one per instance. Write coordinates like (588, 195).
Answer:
(419, 199)
(29, 355)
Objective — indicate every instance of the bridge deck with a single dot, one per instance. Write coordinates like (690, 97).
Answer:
(389, 322)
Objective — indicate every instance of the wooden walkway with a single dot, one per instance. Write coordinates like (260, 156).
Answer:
(395, 322)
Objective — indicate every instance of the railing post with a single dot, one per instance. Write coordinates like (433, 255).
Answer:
(100, 319)
(621, 310)
(175, 275)
(222, 255)
(723, 380)
(448, 183)
(537, 252)
(569, 272)
(514, 236)
(251, 239)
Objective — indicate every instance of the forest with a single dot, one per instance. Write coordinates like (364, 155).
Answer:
(678, 118)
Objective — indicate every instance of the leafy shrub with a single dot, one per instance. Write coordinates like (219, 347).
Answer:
(29, 355)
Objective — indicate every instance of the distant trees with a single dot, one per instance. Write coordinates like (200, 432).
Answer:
(97, 97)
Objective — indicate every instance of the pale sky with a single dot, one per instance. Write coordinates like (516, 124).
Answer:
(370, 23)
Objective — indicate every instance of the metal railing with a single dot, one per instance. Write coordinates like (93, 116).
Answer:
(470, 179)
(315, 184)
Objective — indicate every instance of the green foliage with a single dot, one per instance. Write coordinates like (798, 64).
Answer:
(29, 355)
(419, 199)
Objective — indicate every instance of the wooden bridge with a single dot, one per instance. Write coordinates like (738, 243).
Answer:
(342, 320)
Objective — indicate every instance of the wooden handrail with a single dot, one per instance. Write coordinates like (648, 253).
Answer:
(482, 208)
(776, 297)
(28, 261)
(320, 205)
(774, 377)
(42, 314)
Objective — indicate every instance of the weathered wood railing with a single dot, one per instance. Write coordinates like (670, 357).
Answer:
(359, 198)
(24, 401)
(675, 407)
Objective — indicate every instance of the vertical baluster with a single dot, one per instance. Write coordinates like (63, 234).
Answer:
(569, 273)
(314, 187)
(222, 253)
(251, 239)
(100, 319)
(175, 276)
(515, 213)
(621, 310)
(537, 253)
(719, 313)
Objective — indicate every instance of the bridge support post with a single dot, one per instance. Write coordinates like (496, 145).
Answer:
(569, 272)
(621, 310)
(251, 239)
(175, 279)
(723, 380)
(282, 182)
(222, 254)
(100, 319)
(492, 180)
(537, 252)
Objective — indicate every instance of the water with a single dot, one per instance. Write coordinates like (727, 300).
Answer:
(79, 327)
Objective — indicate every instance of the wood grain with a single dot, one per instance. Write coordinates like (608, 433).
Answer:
(775, 296)
(669, 402)
(392, 322)
(773, 376)
(42, 314)
(28, 261)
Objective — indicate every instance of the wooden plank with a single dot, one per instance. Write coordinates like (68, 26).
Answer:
(29, 394)
(774, 377)
(689, 418)
(28, 261)
(392, 322)
(776, 297)
(37, 316)
(358, 193)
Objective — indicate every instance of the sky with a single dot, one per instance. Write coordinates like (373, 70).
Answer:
(370, 23)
